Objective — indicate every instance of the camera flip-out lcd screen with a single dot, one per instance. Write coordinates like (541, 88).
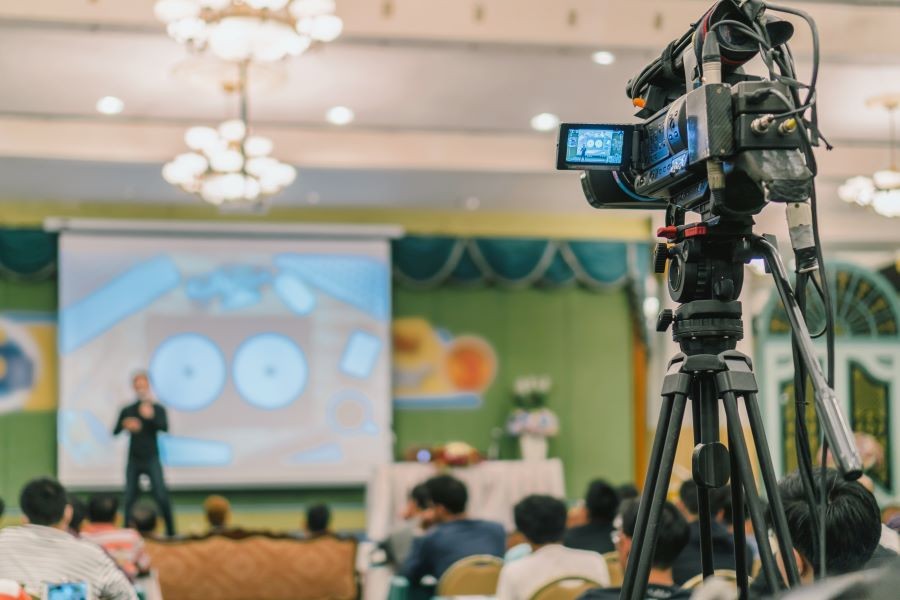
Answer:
(587, 147)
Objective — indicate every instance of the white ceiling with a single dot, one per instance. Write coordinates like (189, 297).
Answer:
(442, 113)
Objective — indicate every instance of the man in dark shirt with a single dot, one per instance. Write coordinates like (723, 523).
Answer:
(689, 563)
(455, 537)
(672, 536)
(601, 502)
(144, 419)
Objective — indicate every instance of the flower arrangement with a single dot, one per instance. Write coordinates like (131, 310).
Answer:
(531, 417)
(451, 454)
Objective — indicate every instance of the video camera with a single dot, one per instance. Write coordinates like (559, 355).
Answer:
(715, 140)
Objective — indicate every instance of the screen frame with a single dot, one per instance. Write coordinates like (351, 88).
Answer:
(561, 144)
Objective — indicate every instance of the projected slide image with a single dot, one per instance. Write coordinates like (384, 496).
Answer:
(270, 357)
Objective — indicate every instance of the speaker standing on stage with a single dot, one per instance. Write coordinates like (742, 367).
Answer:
(143, 420)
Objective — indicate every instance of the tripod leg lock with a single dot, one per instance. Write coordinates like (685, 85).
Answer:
(711, 465)
(739, 383)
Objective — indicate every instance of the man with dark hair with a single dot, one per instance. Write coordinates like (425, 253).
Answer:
(79, 512)
(218, 514)
(542, 520)
(852, 525)
(144, 419)
(456, 536)
(44, 551)
(673, 534)
(601, 502)
(318, 518)
(144, 520)
(124, 545)
(689, 563)
(417, 517)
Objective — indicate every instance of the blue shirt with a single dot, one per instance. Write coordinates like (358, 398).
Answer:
(433, 553)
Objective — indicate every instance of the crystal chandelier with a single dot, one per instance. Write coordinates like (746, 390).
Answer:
(881, 191)
(228, 166)
(254, 30)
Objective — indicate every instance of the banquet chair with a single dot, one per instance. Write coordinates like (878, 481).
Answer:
(696, 581)
(616, 574)
(566, 588)
(471, 576)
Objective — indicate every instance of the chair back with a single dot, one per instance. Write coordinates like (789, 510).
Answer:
(471, 576)
(616, 574)
(696, 581)
(567, 588)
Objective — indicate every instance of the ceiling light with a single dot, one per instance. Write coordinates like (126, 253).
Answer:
(881, 191)
(250, 30)
(339, 115)
(110, 105)
(545, 122)
(603, 57)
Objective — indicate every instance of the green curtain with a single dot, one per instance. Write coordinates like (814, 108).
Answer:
(27, 254)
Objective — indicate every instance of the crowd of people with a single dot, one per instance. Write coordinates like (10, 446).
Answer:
(437, 532)
(64, 539)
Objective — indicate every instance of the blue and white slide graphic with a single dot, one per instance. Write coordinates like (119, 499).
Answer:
(326, 453)
(360, 354)
(190, 452)
(295, 294)
(360, 281)
(235, 286)
(83, 436)
(127, 294)
(351, 412)
(188, 371)
(270, 371)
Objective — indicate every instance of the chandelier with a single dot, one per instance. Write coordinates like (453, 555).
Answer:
(881, 191)
(228, 166)
(250, 30)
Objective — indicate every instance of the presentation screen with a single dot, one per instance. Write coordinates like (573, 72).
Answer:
(271, 357)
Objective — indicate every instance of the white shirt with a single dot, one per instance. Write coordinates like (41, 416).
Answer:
(521, 579)
(34, 555)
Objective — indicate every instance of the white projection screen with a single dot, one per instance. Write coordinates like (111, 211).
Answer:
(270, 356)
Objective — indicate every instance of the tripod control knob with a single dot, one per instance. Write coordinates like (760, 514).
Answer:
(664, 319)
(660, 256)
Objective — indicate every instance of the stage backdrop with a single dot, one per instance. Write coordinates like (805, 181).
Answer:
(271, 356)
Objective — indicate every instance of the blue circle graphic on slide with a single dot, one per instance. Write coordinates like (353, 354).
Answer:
(188, 371)
(270, 370)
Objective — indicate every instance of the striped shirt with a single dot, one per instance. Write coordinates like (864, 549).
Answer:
(125, 546)
(34, 555)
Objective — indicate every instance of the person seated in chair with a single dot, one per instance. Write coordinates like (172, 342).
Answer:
(455, 535)
(852, 528)
(542, 520)
(416, 520)
(688, 564)
(601, 502)
(673, 535)
(318, 522)
(145, 520)
(124, 545)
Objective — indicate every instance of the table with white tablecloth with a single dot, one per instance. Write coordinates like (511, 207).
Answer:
(494, 489)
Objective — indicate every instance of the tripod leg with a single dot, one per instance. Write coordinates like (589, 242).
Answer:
(746, 479)
(640, 572)
(637, 541)
(705, 406)
(779, 521)
(737, 520)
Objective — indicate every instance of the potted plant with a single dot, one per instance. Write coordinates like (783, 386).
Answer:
(531, 421)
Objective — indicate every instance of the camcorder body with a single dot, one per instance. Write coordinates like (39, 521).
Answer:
(745, 124)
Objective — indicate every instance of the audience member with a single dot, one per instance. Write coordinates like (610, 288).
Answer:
(43, 550)
(673, 535)
(145, 520)
(688, 564)
(628, 491)
(218, 514)
(455, 536)
(601, 502)
(542, 520)
(318, 521)
(79, 512)
(11, 590)
(124, 545)
(726, 518)
(894, 523)
(417, 517)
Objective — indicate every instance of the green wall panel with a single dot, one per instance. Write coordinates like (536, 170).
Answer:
(581, 339)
